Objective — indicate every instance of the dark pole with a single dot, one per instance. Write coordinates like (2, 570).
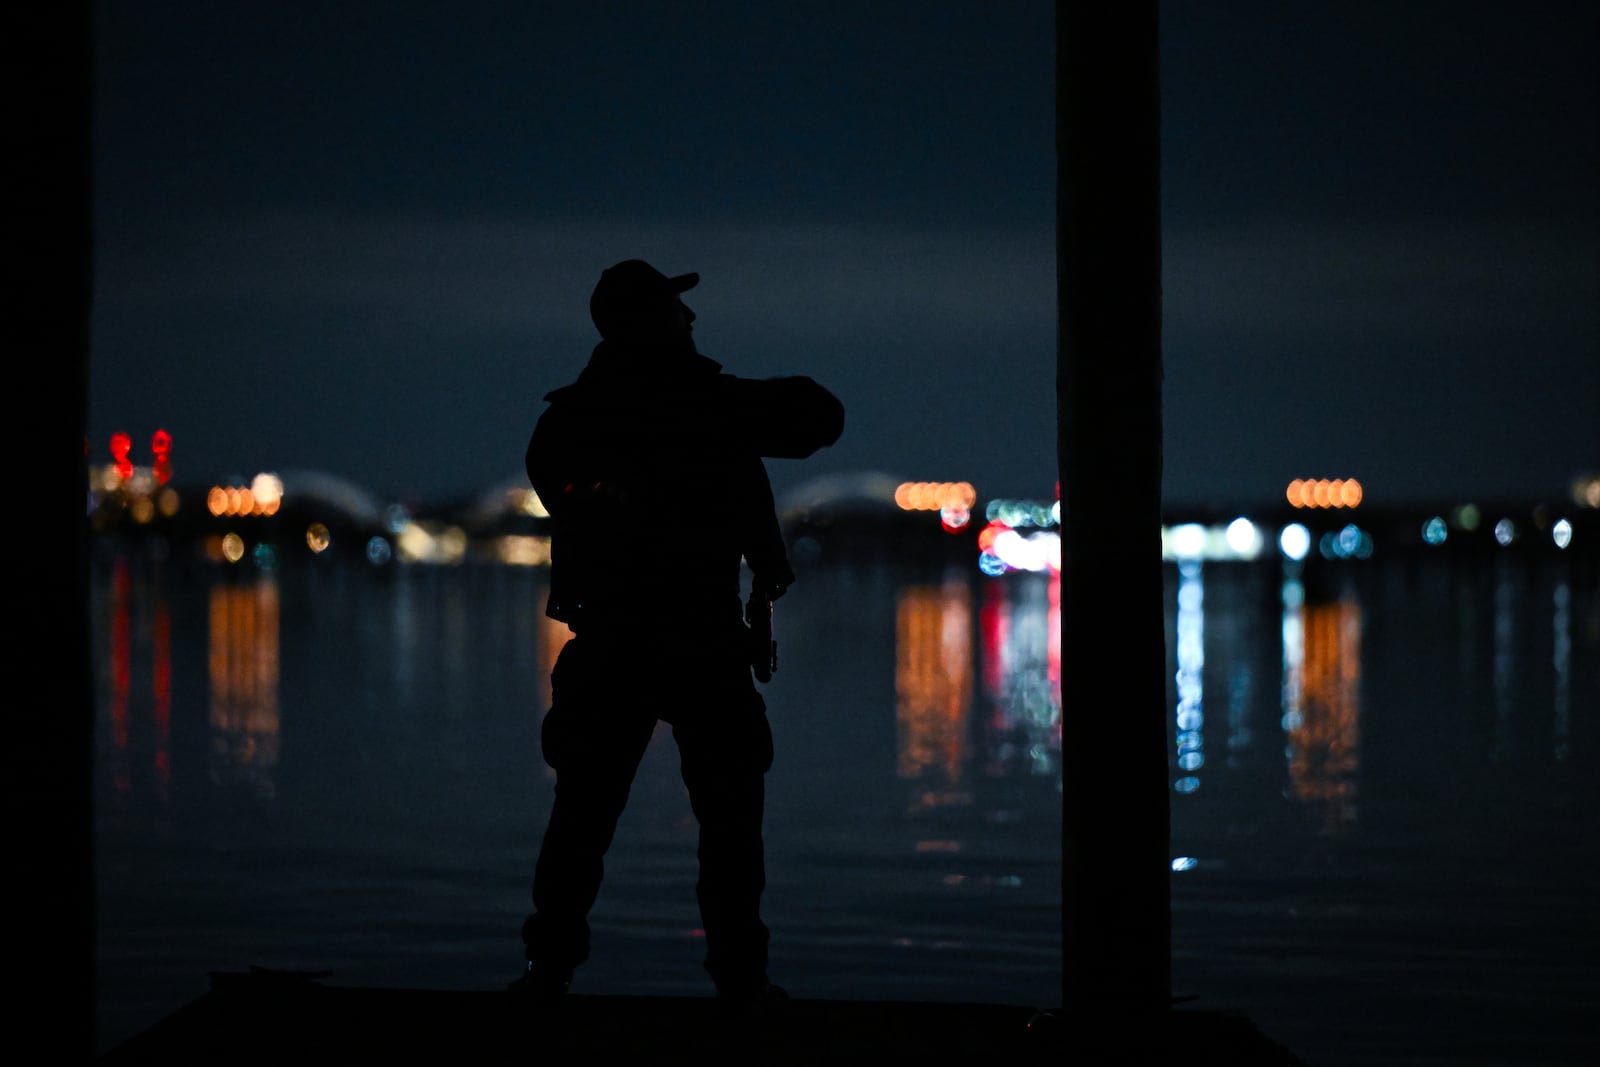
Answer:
(1116, 906)
(50, 704)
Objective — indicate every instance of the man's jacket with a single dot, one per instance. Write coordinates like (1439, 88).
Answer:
(650, 465)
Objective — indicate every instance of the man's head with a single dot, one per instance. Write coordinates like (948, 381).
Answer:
(633, 303)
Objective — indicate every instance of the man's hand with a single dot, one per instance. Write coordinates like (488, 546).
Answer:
(763, 648)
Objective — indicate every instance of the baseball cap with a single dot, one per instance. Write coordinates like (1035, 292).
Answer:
(632, 294)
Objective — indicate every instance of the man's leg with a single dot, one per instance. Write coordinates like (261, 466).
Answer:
(726, 750)
(594, 742)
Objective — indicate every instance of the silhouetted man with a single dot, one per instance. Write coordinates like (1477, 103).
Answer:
(650, 465)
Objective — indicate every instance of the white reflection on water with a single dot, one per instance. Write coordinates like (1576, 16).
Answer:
(1505, 607)
(1191, 667)
(1561, 657)
(1020, 655)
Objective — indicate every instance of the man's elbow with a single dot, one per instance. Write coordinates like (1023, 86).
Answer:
(816, 418)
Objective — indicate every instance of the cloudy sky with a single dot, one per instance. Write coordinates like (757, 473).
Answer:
(359, 237)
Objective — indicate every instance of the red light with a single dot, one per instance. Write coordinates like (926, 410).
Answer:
(987, 535)
(121, 445)
(161, 443)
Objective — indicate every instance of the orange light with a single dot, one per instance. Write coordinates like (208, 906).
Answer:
(1351, 493)
(217, 500)
(1294, 493)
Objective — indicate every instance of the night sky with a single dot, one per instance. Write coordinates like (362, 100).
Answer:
(360, 237)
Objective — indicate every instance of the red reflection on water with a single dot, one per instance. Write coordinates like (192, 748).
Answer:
(994, 626)
(121, 668)
(161, 686)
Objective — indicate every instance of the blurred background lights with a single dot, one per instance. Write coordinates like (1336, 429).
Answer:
(1561, 533)
(232, 547)
(318, 538)
(121, 445)
(236, 500)
(1023, 513)
(1244, 538)
(1184, 863)
(1467, 517)
(954, 519)
(267, 489)
(935, 496)
(521, 550)
(395, 518)
(1295, 541)
(530, 504)
(1031, 553)
(1324, 493)
(266, 557)
(1349, 540)
(1188, 541)
(378, 551)
(1434, 531)
(1505, 531)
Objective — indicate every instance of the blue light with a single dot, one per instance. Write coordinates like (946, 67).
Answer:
(1184, 863)
(991, 564)
(1349, 540)
(266, 558)
(1186, 785)
(1435, 530)
(379, 552)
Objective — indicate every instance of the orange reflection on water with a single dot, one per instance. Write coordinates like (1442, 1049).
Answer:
(933, 679)
(243, 668)
(1324, 730)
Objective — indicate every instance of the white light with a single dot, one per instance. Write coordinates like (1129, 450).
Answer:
(1184, 863)
(1189, 540)
(1295, 541)
(267, 490)
(1561, 533)
(1505, 531)
(1020, 553)
(1244, 538)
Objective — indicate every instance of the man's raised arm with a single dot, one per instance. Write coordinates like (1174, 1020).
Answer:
(782, 418)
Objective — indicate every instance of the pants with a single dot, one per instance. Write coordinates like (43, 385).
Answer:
(606, 698)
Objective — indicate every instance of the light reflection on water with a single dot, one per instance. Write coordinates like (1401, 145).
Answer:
(339, 769)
